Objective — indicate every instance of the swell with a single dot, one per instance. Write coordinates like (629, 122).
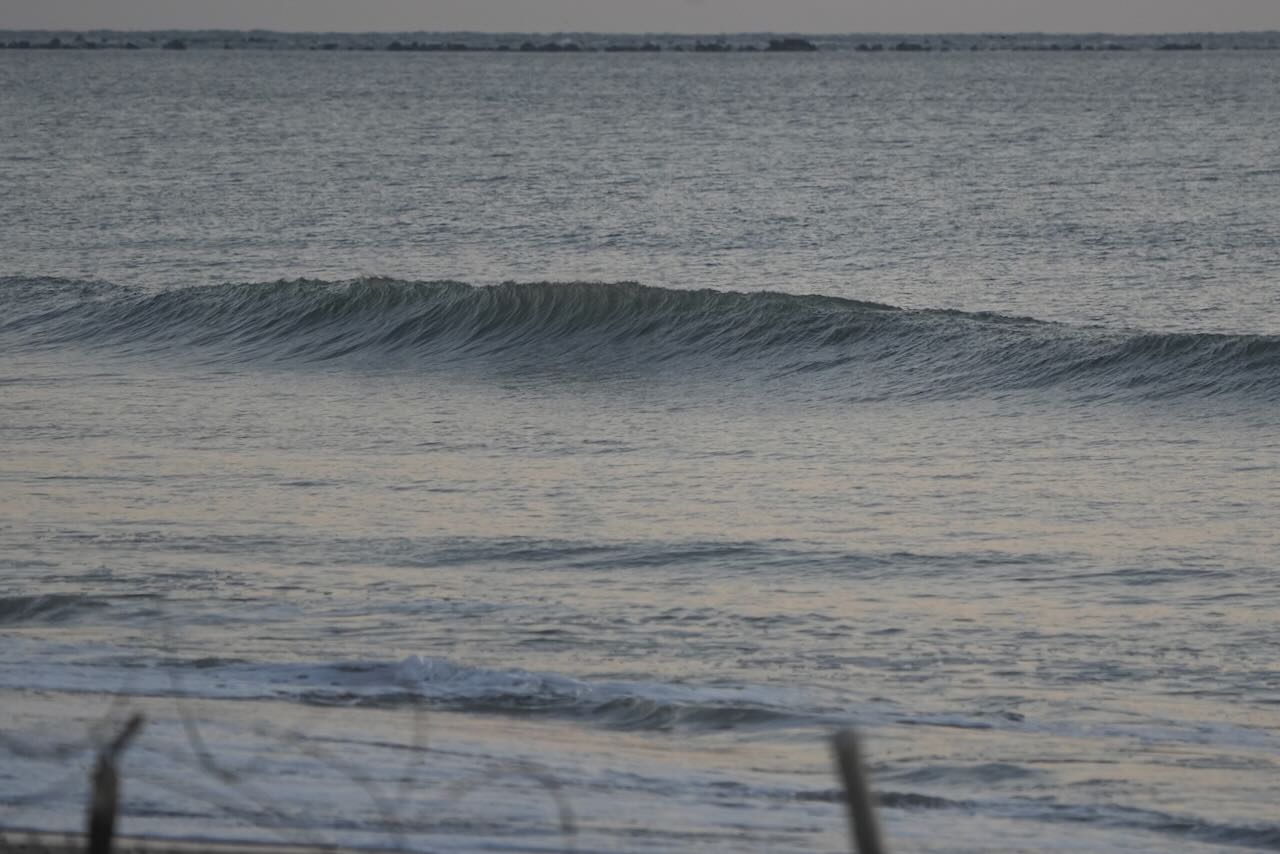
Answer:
(858, 349)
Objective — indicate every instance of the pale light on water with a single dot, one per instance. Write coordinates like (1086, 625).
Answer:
(656, 539)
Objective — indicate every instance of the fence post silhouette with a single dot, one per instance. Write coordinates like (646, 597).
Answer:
(104, 789)
(864, 829)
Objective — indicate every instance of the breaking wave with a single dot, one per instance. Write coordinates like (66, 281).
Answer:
(438, 684)
(861, 350)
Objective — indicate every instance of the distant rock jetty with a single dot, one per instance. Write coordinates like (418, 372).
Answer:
(423, 42)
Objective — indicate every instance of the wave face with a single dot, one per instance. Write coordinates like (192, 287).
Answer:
(45, 608)
(859, 350)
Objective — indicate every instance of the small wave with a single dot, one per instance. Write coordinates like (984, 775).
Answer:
(627, 705)
(917, 801)
(861, 349)
(888, 800)
(440, 684)
(1190, 828)
(45, 608)
(982, 774)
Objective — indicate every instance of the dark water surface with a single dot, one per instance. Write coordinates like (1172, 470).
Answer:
(936, 394)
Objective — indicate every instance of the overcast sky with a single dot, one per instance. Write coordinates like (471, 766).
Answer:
(689, 16)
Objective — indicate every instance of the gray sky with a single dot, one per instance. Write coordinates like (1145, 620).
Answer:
(814, 16)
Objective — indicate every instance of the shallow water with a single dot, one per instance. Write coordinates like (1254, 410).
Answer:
(971, 443)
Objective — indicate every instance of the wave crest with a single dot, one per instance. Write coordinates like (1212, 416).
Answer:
(858, 349)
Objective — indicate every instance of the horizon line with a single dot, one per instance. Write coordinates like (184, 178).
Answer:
(690, 33)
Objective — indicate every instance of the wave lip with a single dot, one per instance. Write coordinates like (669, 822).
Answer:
(838, 347)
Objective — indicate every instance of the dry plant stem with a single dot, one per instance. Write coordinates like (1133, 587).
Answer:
(261, 814)
(105, 798)
(863, 826)
(417, 751)
(535, 772)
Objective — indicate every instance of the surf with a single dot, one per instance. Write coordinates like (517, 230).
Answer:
(865, 350)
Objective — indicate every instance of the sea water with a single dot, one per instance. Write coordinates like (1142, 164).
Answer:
(513, 451)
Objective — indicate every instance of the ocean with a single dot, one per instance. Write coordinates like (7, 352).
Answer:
(524, 451)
